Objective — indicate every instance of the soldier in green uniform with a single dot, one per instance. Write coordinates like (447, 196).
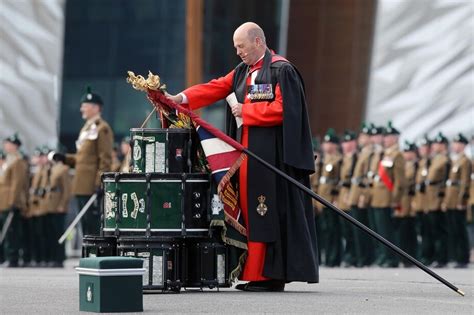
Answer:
(405, 216)
(93, 157)
(425, 249)
(349, 160)
(435, 192)
(328, 189)
(14, 179)
(57, 196)
(387, 190)
(455, 201)
(359, 198)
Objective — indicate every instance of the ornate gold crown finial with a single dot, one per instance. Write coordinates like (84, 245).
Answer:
(140, 83)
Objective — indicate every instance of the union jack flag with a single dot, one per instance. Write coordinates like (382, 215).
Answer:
(223, 154)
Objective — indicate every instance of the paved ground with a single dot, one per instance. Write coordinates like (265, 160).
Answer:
(356, 291)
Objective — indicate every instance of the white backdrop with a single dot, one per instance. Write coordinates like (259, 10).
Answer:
(422, 73)
(31, 54)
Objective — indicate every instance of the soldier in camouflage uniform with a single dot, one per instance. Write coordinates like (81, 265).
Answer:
(359, 199)
(387, 189)
(435, 192)
(14, 181)
(328, 189)
(93, 157)
(456, 202)
(349, 150)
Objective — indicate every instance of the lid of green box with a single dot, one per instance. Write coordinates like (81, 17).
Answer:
(110, 262)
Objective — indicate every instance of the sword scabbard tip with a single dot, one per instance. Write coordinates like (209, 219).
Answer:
(460, 292)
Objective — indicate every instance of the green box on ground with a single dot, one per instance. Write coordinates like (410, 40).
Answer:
(110, 284)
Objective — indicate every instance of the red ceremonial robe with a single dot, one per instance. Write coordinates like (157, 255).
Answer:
(262, 114)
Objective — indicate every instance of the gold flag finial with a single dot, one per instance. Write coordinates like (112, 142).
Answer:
(140, 83)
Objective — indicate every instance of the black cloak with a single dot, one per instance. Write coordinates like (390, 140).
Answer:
(288, 227)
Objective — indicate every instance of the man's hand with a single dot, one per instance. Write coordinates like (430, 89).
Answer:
(237, 110)
(178, 98)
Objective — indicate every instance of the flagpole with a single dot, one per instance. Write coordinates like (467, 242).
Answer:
(156, 95)
(354, 221)
(161, 98)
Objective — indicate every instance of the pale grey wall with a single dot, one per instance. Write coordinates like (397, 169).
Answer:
(422, 74)
(31, 53)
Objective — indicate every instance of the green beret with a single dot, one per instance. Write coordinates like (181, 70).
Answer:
(376, 130)
(365, 128)
(440, 138)
(390, 130)
(409, 146)
(90, 97)
(331, 136)
(15, 139)
(460, 138)
(348, 135)
(41, 150)
(424, 141)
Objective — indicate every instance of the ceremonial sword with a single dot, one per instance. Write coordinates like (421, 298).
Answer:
(5, 227)
(78, 218)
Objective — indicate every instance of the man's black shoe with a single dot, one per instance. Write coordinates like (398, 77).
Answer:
(439, 265)
(460, 265)
(10, 264)
(262, 286)
(241, 286)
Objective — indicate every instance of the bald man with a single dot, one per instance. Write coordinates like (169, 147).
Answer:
(281, 235)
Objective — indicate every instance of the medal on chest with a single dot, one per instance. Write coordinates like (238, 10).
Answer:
(388, 163)
(329, 168)
(260, 92)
